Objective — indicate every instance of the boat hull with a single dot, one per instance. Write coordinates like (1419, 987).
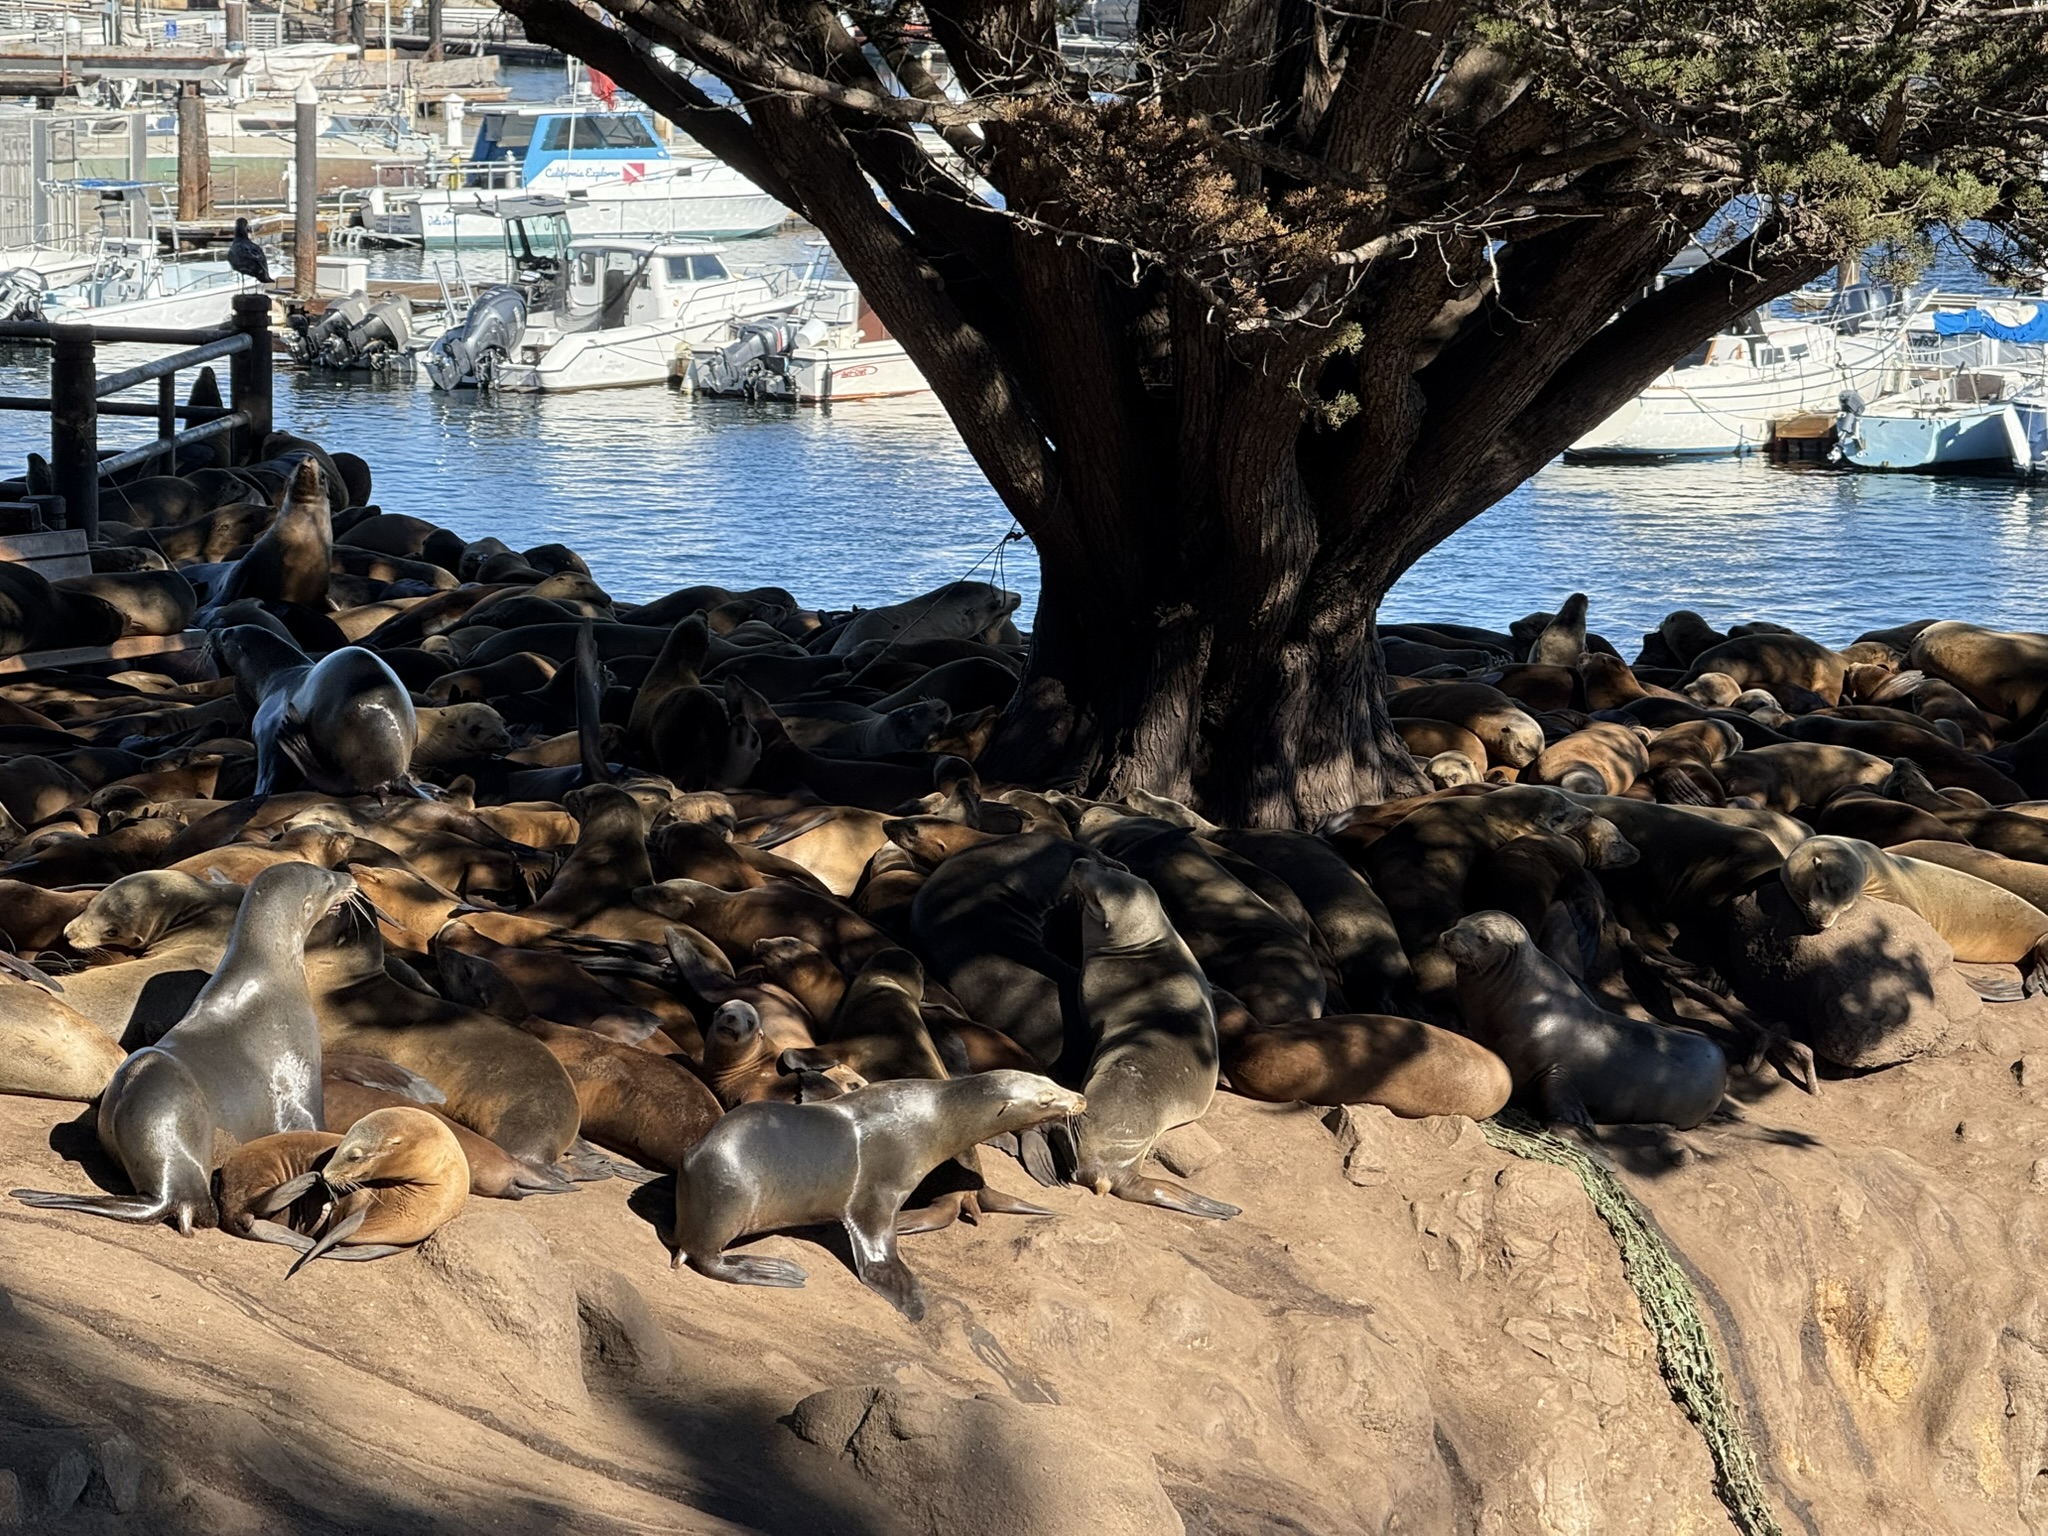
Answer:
(1973, 438)
(1719, 411)
(2030, 418)
(871, 371)
(192, 309)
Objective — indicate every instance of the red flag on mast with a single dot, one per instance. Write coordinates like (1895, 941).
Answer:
(605, 90)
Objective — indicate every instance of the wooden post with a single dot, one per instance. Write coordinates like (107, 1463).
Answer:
(75, 426)
(138, 170)
(434, 27)
(195, 171)
(359, 23)
(306, 192)
(236, 15)
(249, 375)
(167, 418)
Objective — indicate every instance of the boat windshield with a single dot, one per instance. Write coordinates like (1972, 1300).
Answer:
(696, 269)
(576, 134)
(503, 136)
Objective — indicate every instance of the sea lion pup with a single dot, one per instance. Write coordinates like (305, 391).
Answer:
(395, 1179)
(1413, 1068)
(768, 1166)
(1348, 914)
(290, 562)
(246, 1185)
(1155, 1059)
(245, 1060)
(1240, 940)
(1447, 770)
(1426, 738)
(49, 1050)
(345, 721)
(1577, 1062)
(739, 1063)
(1599, 759)
(1978, 920)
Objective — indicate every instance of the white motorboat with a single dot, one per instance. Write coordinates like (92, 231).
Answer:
(129, 284)
(1727, 394)
(611, 167)
(830, 345)
(601, 315)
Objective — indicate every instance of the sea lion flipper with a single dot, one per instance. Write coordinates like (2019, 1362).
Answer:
(1169, 1196)
(333, 1237)
(749, 1270)
(119, 1207)
(272, 1232)
(2034, 970)
(993, 1202)
(1559, 1099)
(359, 1252)
(1034, 1151)
(286, 1193)
(14, 965)
(935, 1217)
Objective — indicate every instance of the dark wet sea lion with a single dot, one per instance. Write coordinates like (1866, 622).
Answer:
(1576, 1061)
(854, 1160)
(245, 1060)
(345, 722)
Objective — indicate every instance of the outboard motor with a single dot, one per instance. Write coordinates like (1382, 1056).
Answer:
(470, 355)
(377, 336)
(727, 372)
(21, 294)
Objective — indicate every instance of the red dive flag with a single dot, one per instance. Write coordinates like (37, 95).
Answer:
(604, 90)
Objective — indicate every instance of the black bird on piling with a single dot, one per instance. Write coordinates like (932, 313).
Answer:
(246, 256)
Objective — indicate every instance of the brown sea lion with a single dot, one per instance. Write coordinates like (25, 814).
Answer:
(289, 562)
(1413, 1068)
(49, 1050)
(396, 1178)
(1599, 759)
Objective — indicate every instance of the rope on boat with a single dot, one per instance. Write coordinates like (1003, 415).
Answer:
(1685, 1350)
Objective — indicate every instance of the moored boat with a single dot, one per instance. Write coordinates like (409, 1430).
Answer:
(612, 168)
(830, 345)
(1964, 405)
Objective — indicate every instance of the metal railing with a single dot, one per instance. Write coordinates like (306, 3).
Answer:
(78, 397)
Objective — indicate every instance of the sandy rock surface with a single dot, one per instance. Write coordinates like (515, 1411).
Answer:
(1407, 1330)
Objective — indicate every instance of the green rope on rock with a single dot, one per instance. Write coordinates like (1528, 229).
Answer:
(1685, 1350)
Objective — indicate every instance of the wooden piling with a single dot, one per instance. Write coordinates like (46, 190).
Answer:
(435, 27)
(249, 375)
(306, 191)
(195, 168)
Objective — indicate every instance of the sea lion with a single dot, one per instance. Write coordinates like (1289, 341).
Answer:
(34, 918)
(1413, 1068)
(494, 1173)
(246, 1185)
(397, 1177)
(1156, 1054)
(740, 1064)
(1789, 667)
(1241, 942)
(1980, 921)
(1792, 774)
(1348, 914)
(49, 1050)
(1511, 735)
(1563, 639)
(151, 602)
(345, 722)
(2003, 672)
(35, 615)
(174, 927)
(767, 1166)
(736, 920)
(1600, 759)
(289, 562)
(1576, 1061)
(245, 1060)
(960, 609)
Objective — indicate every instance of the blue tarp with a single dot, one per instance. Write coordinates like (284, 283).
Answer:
(1981, 322)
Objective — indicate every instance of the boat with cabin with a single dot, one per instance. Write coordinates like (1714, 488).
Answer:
(594, 313)
(829, 345)
(128, 283)
(1966, 402)
(612, 168)
(1725, 396)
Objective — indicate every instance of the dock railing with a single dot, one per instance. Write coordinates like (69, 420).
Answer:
(78, 397)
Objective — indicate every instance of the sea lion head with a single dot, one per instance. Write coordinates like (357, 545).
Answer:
(705, 805)
(734, 1039)
(1716, 690)
(142, 909)
(306, 890)
(1117, 908)
(1824, 876)
(461, 730)
(931, 840)
(1605, 845)
(676, 899)
(1484, 939)
(912, 727)
(1447, 770)
(895, 969)
(394, 1145)
(1908, 781)
(1024, 1099)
